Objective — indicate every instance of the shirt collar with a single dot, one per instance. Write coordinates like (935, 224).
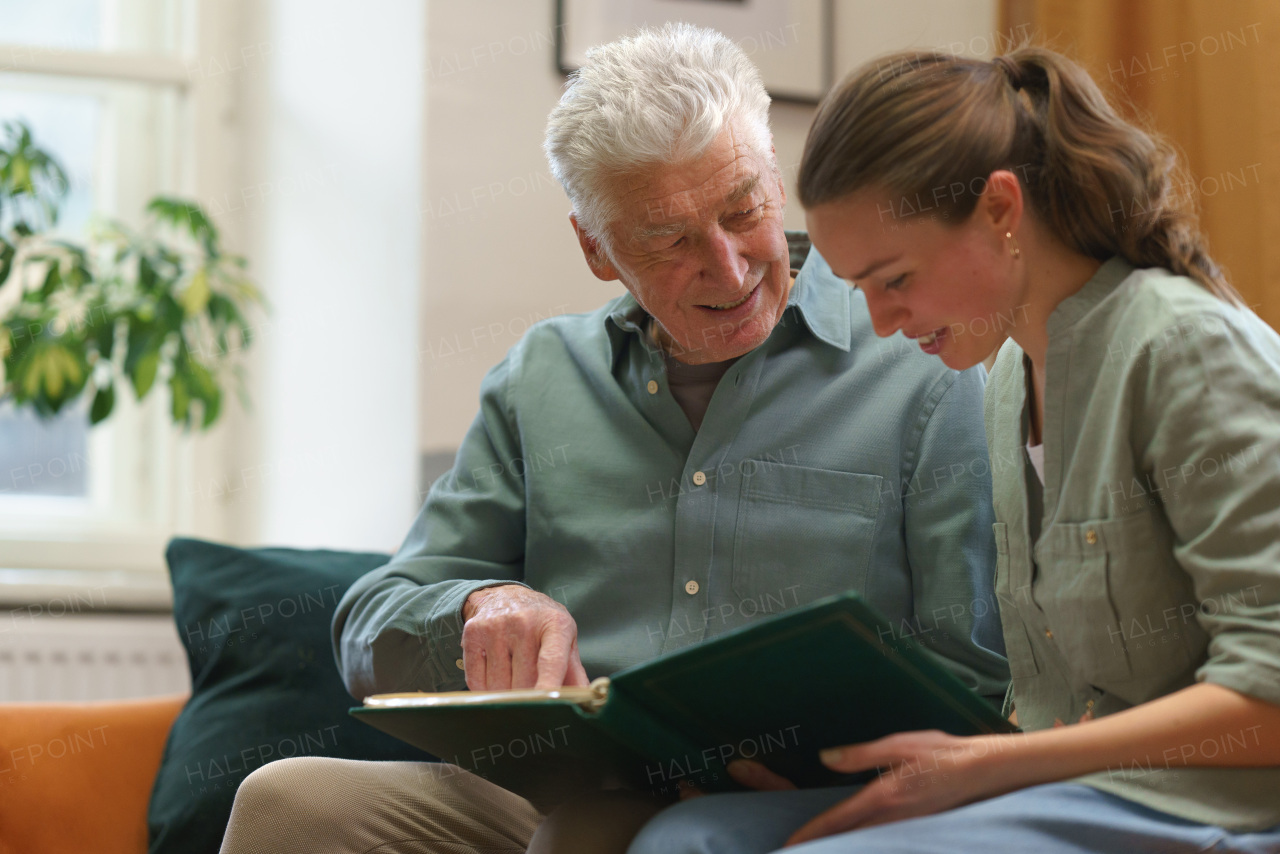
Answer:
(824, 302)
(1103, 283)
(623, 317)
(824, 308)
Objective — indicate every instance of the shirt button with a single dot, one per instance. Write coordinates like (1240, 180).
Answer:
(460, 665)
(699, 478)
(691, 587)
(653, 386)
(1091, 537)
(1048, 633)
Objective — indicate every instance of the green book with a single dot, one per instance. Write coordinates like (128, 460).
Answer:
(778, 691)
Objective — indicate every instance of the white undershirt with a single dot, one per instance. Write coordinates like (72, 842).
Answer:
(1036, 453)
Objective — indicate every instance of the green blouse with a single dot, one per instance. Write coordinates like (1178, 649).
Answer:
(1152, 558)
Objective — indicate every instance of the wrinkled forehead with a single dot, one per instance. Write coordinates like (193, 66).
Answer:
(663, 193)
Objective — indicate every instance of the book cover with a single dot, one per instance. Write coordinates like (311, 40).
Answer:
(778, 691)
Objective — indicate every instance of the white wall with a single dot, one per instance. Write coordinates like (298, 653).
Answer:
(495, 224)
(332, 110)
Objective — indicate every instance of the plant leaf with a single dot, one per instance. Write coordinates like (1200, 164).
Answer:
(103, 402)
(144, 373)
(28, 375)
(188, 217)
(212, 408)
(103, 326)
(7, 252)
(181, 398)
(196, 296)
(52, 280)
(62, 372)
(20, 175)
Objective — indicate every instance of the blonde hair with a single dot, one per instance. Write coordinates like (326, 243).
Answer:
(929, 128)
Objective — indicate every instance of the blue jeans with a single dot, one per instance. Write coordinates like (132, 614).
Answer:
(1059, 818)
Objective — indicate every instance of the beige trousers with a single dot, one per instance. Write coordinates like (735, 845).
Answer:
(341, 806)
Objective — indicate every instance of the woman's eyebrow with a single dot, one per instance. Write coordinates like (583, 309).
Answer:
(871, 269)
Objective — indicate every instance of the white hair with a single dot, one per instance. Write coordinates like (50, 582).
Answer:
(659, 96)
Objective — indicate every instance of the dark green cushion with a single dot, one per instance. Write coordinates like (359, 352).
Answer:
(798, 246)
(255, 623)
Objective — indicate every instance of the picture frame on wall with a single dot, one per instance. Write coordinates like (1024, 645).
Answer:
(790, 41)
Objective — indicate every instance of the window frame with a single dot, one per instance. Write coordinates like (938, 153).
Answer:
(155, 468)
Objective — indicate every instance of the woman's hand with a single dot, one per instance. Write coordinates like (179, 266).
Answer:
(921, 773)
(754, 775)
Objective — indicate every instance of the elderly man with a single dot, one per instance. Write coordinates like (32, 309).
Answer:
(720, 443)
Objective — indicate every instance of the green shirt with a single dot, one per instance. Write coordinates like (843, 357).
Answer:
(1157, 560)
(828, 460)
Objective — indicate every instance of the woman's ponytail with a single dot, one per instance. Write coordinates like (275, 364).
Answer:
(930, 126)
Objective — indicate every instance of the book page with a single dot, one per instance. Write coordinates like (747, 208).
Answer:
(593, 696)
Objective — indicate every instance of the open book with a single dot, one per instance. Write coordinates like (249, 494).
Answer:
(778, 691)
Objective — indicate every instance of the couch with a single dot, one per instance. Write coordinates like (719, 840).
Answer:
(77, 777)
(159, 775)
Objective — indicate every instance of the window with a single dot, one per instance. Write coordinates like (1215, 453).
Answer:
(105, 86)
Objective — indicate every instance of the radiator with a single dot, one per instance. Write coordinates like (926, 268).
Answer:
(89, 657)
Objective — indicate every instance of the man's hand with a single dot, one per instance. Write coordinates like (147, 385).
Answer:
(514, 637)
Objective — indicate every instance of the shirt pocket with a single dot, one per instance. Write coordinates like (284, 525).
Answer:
(803, 533)
(1022, 661)
(1116, 603)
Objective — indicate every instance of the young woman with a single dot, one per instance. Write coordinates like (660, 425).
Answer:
(1133, 420)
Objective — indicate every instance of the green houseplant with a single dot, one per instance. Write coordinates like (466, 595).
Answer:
(165, 305)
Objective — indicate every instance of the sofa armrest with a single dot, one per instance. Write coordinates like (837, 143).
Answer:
(77, 777)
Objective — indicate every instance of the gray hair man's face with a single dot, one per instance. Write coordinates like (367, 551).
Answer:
(700, 246)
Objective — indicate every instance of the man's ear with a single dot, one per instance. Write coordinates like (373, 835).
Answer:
(599, 263)
(782, 184)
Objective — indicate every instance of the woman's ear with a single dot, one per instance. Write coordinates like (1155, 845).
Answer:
(597, 260)
(1001, 202)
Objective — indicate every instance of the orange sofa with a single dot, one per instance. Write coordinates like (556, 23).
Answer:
(77, 777)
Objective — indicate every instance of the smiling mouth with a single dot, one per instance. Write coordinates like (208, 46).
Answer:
(931, 342)
(728, 305)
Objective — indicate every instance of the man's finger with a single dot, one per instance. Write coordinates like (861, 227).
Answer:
(497, 665)
(524, 663)
(473, 663)
(753, 775)
(577, 674)
(553, 658)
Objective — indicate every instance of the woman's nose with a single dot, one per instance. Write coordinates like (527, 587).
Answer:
(887, 316)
